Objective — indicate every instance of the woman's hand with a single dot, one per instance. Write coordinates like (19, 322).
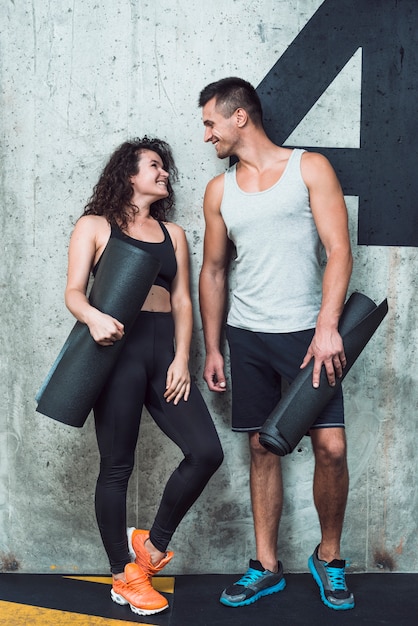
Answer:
(178, 381)
(104, 329)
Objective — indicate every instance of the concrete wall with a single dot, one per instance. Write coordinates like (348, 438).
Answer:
(77, 79)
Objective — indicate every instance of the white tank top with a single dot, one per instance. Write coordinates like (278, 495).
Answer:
(277, 274)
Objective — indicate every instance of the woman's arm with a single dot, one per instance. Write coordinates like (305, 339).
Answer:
(178, 375)
(87, 243)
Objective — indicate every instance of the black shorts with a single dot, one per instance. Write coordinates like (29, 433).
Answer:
(259, 361)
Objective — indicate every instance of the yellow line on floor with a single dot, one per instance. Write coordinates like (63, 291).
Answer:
(104, 580)
(160, 583)
(13, 614)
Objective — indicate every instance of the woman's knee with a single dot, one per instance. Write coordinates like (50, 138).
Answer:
(211, 457)
(205, 459)
(218, 457)
(115, 474)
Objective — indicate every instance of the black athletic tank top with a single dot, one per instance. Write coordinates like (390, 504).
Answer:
(163, 251)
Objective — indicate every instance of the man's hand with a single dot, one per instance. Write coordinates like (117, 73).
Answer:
(326, 348)
(213, 373)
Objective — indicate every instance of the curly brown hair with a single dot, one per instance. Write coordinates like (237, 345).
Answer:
(112, 195)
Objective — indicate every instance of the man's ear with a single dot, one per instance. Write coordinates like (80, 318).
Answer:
(241, 117)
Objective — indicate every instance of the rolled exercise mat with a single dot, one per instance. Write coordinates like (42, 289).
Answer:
(300, 406)
(121, 285)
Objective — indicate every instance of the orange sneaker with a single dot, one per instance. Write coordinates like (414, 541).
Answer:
(138, 592)
(138, 551)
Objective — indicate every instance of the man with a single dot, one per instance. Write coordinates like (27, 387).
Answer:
(277, 206)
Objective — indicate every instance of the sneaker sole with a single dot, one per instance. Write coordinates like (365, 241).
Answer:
(317, 578)
(265, 592)
(116, 597)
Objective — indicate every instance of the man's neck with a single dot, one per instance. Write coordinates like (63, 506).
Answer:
(259, 153)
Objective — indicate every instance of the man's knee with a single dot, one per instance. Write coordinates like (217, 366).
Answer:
(330, 447)
(258, 452)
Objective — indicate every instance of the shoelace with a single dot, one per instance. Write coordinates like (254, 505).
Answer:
(336, 577)
(251, 576)
(140, 586)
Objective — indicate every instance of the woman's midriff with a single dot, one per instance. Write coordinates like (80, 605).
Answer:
(158, 299)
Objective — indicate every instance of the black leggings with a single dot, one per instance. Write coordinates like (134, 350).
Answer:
(139, 379)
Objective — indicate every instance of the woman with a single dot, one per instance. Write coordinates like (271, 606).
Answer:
(130, 202)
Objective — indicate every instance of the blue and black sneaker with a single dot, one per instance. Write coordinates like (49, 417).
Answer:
(330, 578)
(255, 583)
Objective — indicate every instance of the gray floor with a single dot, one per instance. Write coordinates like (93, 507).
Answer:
(380, 599)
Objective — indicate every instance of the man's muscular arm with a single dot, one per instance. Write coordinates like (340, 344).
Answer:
(213, 284)
(330, 215)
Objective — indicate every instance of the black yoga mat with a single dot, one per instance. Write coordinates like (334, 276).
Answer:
(123, 280)
(302, 403)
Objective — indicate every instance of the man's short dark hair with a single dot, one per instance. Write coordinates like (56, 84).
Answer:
(231, 94)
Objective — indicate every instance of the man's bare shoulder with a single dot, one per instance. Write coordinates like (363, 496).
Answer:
(314, 160)
(315, 165)
(214, 190)
(216, 182)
